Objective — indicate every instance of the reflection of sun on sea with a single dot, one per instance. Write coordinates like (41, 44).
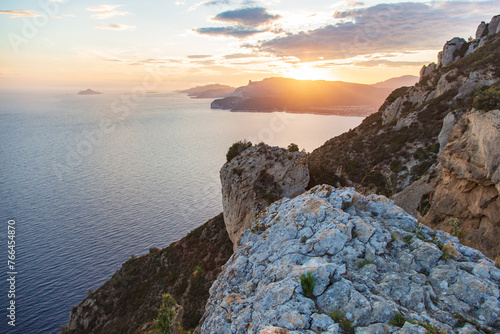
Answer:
(308, 72)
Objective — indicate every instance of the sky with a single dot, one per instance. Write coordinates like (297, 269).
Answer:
(120, 44)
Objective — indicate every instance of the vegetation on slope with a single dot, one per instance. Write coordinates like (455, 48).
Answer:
(133, 296)
(383, 158)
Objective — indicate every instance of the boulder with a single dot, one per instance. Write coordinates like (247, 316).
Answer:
(494, 26)
(257, 177)
(452, 51)
(482, 30)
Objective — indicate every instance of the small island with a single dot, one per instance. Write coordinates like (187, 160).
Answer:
(88, 92)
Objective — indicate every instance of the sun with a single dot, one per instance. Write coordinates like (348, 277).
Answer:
(308, 72)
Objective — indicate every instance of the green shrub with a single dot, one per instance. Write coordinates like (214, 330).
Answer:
(346, 325)
(396, 166)
(363, 263)
(237, 148)
(398, 320)
(166, 315)
(487, 98)
(308, 284)
(293, 147)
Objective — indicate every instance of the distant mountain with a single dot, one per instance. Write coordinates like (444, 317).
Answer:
(208, 91)
(305, 96)
(393, 83)
(88, 92)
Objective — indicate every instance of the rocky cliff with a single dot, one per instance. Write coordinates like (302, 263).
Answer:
(371, 268)
(130, 300)
(403, 149)
(257, 177)
(332, 260)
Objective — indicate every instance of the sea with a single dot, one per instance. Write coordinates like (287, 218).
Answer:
(88, 181)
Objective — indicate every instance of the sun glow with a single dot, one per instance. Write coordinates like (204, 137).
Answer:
(308, 72)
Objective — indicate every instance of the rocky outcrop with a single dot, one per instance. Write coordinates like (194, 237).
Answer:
(372, 268)
(401, 143)
(254, 179)
(452, 51)
(467, 184)
(130, 300)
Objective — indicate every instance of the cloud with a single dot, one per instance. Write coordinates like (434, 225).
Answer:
(250, 17)
(239, 56)
(105, 11)
(198, 56)
(354, 3)
(20, 13)
(233, 31)
(246, 22)
(209, 3)
(383, 28)
(116, 27)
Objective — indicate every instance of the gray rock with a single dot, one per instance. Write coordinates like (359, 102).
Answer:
(493, 27)
(257, 176)
(452, 51)
(448, 122)
(260, 286)
(411, 329)
(482, 30)
(321, 322)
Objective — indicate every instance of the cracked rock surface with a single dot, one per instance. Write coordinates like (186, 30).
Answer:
(370, 261)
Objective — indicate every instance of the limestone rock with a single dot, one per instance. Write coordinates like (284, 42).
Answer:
(482, 30)
(452, 51)
(494, 26)
(257, 177)
(371, 260)
(448, 123)
(468, 183)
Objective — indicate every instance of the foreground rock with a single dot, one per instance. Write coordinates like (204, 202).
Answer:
(129, 301)
(257, 177)
(374, 268)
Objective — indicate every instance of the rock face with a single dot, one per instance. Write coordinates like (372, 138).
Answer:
(371, 263)
(129, 301)
(254, 179)
(468, 182)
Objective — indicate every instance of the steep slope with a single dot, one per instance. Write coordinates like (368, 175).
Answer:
(398, 144)
(208, 91)
(372, 268)
(394, 83)
(405, 143)
(254, 179)
(305, 96)
(131, 298)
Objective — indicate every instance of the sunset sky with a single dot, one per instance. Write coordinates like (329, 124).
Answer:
(106, 45)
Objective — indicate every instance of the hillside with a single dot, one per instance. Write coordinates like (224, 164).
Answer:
(405, 140)
(310, 96)
(393, 83)
(130, 300)
(208, 91)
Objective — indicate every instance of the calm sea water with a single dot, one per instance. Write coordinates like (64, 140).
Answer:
(91, 180)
